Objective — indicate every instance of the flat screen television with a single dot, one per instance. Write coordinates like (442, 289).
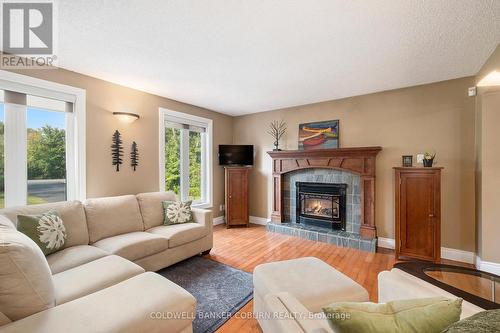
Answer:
(235, 154)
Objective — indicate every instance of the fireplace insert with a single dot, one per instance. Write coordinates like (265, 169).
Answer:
(321, 204)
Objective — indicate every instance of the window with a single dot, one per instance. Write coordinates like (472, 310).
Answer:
(185, 156)
(42, 146)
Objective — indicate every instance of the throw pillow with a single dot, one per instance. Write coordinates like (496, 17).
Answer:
(46, 230)
(177, 212)
(406, 316)
(482, 322)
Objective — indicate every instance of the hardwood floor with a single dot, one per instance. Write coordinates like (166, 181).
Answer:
(245, 248)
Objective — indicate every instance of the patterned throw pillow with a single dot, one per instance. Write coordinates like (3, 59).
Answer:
(482, 322)
(46, 230)
(177, 212)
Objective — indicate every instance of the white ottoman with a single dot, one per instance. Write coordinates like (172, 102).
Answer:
(310, 280)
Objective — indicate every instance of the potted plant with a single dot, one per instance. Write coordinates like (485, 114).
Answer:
(429, 159)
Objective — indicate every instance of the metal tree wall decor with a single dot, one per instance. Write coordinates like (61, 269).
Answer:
(134, 156)
(117, 150)
(276, 130)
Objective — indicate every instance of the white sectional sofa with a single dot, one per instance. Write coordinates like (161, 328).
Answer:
(98, 281)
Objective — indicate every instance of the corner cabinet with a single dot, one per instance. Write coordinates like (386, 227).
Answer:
(236, 201)
(418, 213)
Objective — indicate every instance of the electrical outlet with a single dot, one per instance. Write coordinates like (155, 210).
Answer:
(420, 158)
(221, 208)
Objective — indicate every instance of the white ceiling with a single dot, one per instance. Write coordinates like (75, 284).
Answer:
(244, 56)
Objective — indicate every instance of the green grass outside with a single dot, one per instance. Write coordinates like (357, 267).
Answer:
(32, 200)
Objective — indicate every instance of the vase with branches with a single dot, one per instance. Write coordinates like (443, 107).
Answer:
(277, 129)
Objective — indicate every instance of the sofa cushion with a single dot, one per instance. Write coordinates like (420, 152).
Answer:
(93, 276)
(133, 245)
(179, 234)
(152, 208)
(73, 256)
(71, 213)
(139, 304)
(112, 216)
(26, 285)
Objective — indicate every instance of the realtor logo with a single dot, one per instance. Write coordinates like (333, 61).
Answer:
(27, 28)
(27, 35)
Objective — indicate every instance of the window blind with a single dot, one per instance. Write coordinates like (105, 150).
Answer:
(181, 125)
(17, 98)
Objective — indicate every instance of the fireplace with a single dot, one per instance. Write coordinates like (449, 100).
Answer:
(359, 161)
(321, 204)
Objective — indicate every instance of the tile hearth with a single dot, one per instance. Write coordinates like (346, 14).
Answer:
(325, 235)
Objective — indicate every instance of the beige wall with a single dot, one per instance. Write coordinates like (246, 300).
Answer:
(492, 64)
(488, 164)
(436, 117)
(489, 249)
(102, 99)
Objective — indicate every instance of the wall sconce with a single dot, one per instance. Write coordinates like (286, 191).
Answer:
(492, 79)
(126, 117)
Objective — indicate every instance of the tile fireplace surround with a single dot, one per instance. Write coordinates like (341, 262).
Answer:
(352, 166)
(348, 238)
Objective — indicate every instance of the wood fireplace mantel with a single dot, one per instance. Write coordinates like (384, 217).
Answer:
(359, 160)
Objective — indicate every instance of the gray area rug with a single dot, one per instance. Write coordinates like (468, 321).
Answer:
(220, 290)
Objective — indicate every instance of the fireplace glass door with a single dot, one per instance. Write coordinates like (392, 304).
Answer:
(319, 206)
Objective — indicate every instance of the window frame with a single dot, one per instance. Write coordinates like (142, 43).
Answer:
(207, 157)
(75, 137)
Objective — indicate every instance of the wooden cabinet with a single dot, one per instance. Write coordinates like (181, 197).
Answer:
(236, 201)
(418, 213)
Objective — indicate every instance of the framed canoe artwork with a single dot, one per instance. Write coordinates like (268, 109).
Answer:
(319, 135)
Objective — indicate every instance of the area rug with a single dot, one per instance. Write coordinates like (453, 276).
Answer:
(220, 290)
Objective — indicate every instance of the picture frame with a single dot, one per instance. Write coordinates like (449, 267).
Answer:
(407, 161)
(319, 135)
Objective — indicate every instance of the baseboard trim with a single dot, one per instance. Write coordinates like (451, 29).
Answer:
(387, 243)
(252, 219)
(446, 253)
(258, 220)
(486, 266)
(218, 220)
(458, 255)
